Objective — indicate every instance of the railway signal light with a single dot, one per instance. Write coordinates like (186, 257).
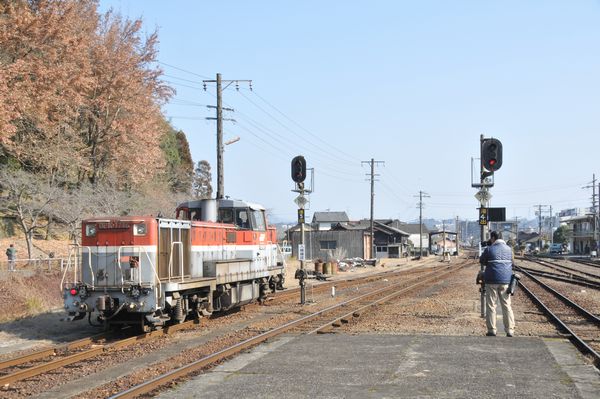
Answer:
(298, 169)
(491, 154)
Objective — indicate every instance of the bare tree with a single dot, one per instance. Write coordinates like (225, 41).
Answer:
(72, 206)
(26, 197)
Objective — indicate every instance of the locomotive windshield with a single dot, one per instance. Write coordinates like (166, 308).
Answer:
(258, 220)
(244, 218)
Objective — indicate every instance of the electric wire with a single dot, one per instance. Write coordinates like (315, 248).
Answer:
(303, 139)
(300, 126)
(182, 70)
(324, 162)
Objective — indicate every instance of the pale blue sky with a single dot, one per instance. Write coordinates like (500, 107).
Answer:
(411, 83)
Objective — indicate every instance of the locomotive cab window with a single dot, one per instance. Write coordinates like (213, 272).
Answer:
(196, 214)
(258, 220)
(241, 218)
(183, 214)
(226, 215)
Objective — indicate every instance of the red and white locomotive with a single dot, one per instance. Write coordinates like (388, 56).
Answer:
(152, 271)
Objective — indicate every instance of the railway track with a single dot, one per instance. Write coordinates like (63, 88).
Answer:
(325, 286)
(566, 270)
(582, 326)
(587, 262)
(321, 321)
(563, 278)
(37, 363)
(16, 371)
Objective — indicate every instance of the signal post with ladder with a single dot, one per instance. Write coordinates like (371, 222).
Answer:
(298, 176)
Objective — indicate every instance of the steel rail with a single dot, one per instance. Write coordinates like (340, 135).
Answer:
(573, 337)
(49, 366)
(338, 283)
(20, 375)
(47, 352)
(563, 298)
(586, 262)
(182, 371)
(555, 266)
(344, 319)
(571, 280)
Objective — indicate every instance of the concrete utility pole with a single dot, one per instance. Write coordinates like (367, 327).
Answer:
(551, 226)
(372, 163)
(592, 185)
(444, 238)
(457, 236)
(220, 119)
(540, 224)
(420, 205)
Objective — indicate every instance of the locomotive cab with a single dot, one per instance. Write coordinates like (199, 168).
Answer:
(241, 214)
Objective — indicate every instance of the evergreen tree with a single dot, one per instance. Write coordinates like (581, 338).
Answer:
(201, 186)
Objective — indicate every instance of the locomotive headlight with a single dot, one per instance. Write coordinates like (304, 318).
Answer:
(90, 230)
(139, 229)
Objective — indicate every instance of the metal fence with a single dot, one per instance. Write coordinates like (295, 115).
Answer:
(46, 264)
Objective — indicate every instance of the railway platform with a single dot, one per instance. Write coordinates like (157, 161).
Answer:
(400, 366)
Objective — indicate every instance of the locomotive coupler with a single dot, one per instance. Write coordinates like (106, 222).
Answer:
(74, 316)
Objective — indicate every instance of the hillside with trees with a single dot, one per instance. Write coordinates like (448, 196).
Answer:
(81, 127)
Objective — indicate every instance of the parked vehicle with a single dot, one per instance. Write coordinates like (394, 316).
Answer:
(555, 249)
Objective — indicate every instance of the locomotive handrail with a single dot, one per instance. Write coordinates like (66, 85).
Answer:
(281, 255)
(156, 278)
(76, 248)
(180, 244)
(118, 260)
(140, 250)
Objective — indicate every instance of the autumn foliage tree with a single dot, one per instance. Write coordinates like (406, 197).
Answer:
(80, 105)
(80, 94)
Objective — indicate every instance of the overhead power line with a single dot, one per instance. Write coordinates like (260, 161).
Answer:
(299, 126)
(182, 70)
(303, 138)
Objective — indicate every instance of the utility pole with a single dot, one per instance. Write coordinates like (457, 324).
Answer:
(516, 231)
(457, 236)
(551, 226)
(540, 224)
(592, 185)
(219, 118)
(444, 238)
(420, 205)
(372, 163)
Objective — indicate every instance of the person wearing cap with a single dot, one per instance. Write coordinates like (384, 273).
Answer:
(498, 261)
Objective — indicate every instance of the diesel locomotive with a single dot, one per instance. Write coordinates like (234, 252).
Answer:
(152, 271)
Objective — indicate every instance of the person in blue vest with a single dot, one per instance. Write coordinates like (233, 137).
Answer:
(498, 261)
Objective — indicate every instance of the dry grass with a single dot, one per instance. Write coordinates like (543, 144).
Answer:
(26, 296)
